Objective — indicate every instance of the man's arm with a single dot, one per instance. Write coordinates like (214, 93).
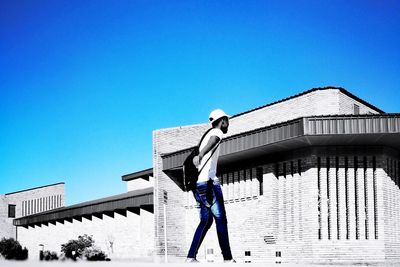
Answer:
(210, 145)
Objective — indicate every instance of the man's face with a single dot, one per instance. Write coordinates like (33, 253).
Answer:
(224, 125)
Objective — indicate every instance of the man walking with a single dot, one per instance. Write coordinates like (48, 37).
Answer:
(208, 192)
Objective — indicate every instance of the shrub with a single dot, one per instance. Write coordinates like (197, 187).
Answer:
(95, 254)
(50, 255)
(74, 249)
(11, 249)
(83, 246)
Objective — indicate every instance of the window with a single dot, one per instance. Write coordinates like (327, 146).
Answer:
(11, 211)
(356, 109)
(259, 174)
(247, 257)
(319, 198)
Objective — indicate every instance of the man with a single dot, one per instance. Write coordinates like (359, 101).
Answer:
(208, 193)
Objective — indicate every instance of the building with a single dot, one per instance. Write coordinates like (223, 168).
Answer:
(121, 225)
(311, 178)
(28, 202)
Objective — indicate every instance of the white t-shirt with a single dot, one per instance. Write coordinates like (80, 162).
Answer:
(210, 169)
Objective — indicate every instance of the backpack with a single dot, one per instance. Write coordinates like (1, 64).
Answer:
(190, 171)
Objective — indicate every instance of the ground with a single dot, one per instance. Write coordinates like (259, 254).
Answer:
(141, 264)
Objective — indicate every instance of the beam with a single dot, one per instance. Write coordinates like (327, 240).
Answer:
(98, 215)
(121, 212)
(149, 208)
(135, 210)
(109, 214)
(87, 216)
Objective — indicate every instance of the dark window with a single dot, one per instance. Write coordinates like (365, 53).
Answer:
(11, 211)
(260, 179)
(278, 254)
(299, 163)
(328, 193)
(319, 197)
(356, 109)
(356, 197)
(375, 197)
(247, 253)
(346, 188)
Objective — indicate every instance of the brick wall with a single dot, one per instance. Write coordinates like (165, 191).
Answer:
(390, 175)
(139, 183)
(29, 202)
(344, 182)
(165, 141)
(320, 102)
(346, 105)
(287, 214)
(131, 236)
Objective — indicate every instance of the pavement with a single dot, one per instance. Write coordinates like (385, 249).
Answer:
(32, 263)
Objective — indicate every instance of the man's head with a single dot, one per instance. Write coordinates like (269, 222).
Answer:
(220, 120)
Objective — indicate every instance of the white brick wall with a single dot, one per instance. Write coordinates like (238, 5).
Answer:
(132, 236)
(42, 198)
(288, 210)
(139, 183)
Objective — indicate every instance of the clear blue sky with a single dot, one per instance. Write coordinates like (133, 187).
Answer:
(84, 83)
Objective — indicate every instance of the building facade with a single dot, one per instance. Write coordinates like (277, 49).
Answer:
(28, 202)
(121, 225)
(311, 178)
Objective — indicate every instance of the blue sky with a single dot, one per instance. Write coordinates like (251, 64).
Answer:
(84, 83)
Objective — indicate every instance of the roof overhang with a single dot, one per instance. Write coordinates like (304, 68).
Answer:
(118, 203)
(144, 174)
(347, 130)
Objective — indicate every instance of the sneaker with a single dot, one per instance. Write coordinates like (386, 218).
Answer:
(191, 260)
(230, 261)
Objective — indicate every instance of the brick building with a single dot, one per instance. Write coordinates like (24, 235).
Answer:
(121, 225)
(311, 178)
(28, 202)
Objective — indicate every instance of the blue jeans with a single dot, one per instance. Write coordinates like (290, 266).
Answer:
(211, 203)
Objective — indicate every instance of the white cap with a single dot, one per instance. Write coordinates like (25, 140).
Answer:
(217, 114)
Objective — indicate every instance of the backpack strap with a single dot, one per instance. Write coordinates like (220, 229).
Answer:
(202, 138)
(212, 153)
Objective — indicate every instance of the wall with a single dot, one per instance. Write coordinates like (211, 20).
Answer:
(307, 209)
(319, 102)
(132, 236)
(346, 106)
(139, 183)
(30, 201)
(165, 141)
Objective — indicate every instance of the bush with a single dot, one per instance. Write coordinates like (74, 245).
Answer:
(74, 249)
(83, 246)
(11, 249)
(50, 255)
(95, 254)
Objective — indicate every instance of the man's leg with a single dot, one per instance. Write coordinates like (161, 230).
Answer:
(206, 220)
(218, 211)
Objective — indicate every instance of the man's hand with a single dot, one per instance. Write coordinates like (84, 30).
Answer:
(196, 161)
